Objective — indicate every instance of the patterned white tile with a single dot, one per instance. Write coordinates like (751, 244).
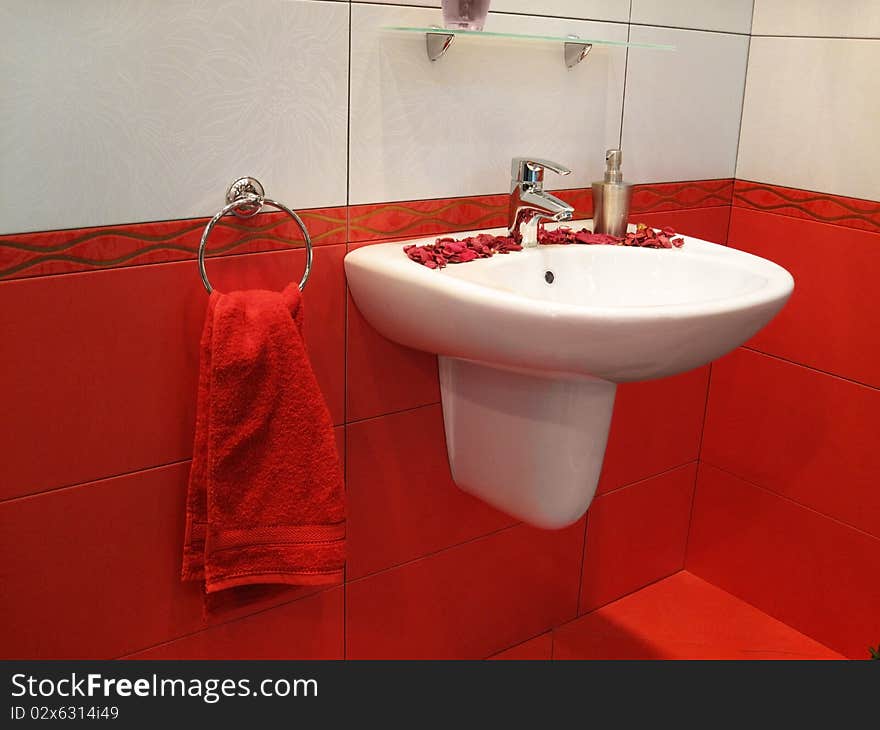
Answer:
(682, 110)
(449, 128)
(811, 115)
(116, 111)
(848, 18)
(733, 16)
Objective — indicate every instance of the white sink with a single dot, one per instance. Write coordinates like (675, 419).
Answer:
(528, 368)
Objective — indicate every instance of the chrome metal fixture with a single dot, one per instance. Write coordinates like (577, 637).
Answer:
(529, 202)
(245, 198)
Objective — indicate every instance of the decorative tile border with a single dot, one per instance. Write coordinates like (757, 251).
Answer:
(657, 197)
(819, 207)
(87, 249)
(414, 218)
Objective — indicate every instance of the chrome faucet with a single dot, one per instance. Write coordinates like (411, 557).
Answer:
(529, 203)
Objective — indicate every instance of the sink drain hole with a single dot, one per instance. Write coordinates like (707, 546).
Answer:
(549, 277)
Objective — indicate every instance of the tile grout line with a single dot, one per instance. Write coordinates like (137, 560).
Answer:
(419, 558)
(581, 572)
(345, 363)
(517, 524)
(742, 111)
(851, 381)
(519, 643)
(97, 480)
(628, 593)
(625, 73)
(392, 413)
(259, 611)
(794, 502)
(642, 480)
(697, 471)
(560, 17)
(817, 37)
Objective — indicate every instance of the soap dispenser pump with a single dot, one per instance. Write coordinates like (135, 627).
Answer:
(611, 198)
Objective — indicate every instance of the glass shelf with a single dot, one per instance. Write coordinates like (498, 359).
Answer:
(438, 40)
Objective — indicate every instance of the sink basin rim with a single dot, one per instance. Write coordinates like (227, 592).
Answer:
(388, 259)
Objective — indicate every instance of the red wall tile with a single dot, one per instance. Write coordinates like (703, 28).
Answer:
(470, 601)
(384, 377)
(402, 502)
(809, 436)
(309, 628)
(636, 535)
(541, 647)
(830, 321)
(710, 224)
(101, 367)
(682, 617)
(656, 426)
(807, 570)
(94, 571)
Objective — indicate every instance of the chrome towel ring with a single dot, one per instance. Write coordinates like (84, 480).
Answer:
(245, 198)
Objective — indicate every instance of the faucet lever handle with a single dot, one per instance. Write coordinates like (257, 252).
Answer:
(531, 169)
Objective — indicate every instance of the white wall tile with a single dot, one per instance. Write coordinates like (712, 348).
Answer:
(115, 111)
(849, 18)
(449, 128)
(811, 115)
(733, 16)
(616, 10)
(613, 10)
(682, 110)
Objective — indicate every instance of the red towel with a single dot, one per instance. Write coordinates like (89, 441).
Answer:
(266, 498)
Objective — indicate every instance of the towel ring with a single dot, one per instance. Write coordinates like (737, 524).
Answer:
(245, 198)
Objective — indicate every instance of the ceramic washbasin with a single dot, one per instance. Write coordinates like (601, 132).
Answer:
(532, 343)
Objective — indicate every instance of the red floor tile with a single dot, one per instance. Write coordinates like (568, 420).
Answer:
(470, 601)
(402, 502)
(656, 426)
(809, 436)
(310, 628)
(384, 377)
(636, 535)
(828, 322)
(100, 367)
(541, 647)
(682, 617)
(810, 571)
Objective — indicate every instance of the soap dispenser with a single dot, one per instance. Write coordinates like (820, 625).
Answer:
(611, 198)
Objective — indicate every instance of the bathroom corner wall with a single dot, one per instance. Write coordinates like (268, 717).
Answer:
(787, 511)
(124, 121)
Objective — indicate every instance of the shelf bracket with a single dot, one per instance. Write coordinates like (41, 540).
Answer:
(575, 52)
(438, 43)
